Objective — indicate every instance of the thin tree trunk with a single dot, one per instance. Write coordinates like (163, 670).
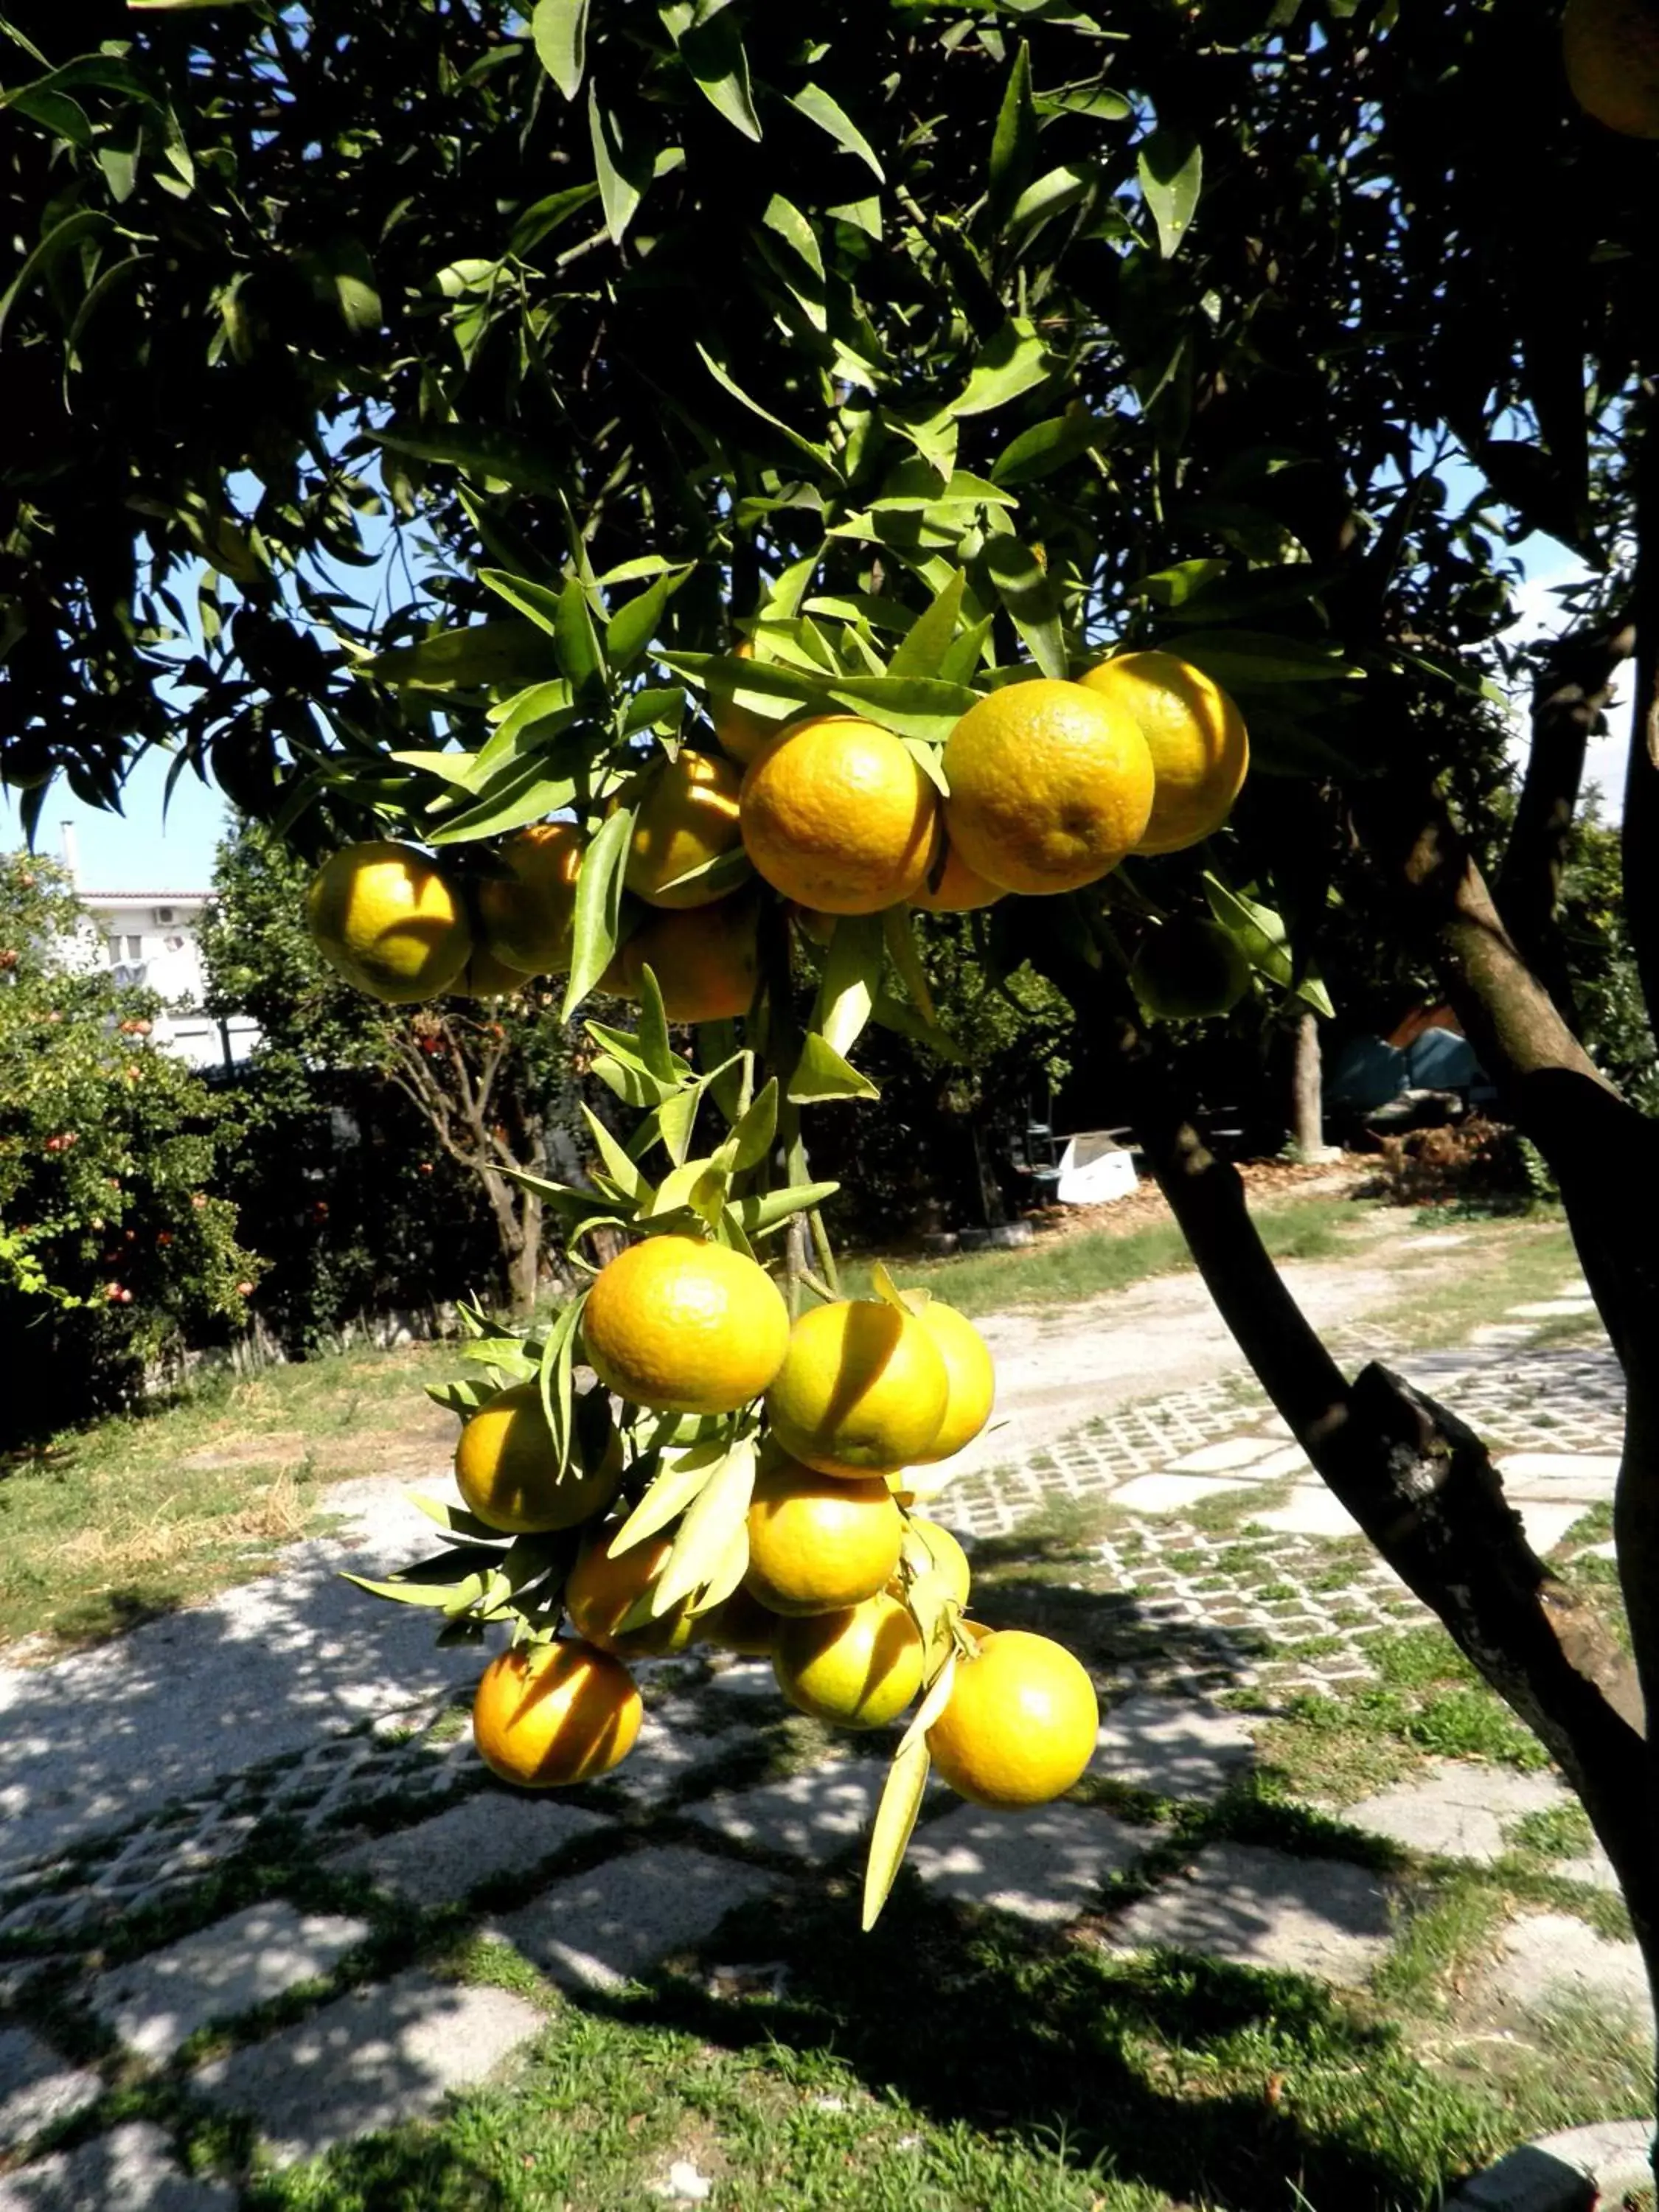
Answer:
(1307, 1091)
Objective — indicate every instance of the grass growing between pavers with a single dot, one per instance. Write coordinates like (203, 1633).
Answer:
(110, 1525)
(954, 2063)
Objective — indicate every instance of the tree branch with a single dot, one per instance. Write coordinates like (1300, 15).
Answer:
(1568, 703)
(1640, 833)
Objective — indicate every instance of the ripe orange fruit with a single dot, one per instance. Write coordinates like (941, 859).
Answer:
(1189, 970)
(836, 815)
(1021, 1725)
(741, 730)
(1200, 749)
(947, 1557)
(1050, 786)
(959, 889)
(739, 1623)
(707, 962)
(602, 1587)
(969, 1373)
(687, 814)
(390, 921)
(1611, 49)
(505, 1468)
(685, 1327)
(547, 1714)
(859, 1668)
(525, 914)
(484, 976)
(862, 1389)
(817, 1543)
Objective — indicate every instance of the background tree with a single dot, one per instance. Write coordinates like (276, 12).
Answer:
(116, 1244)
(1219, 328)
(481, 1083)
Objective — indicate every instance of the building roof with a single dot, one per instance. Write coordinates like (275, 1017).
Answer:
(145, 898)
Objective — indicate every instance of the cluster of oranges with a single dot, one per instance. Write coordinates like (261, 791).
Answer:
(1050, 783)
(856, 1598)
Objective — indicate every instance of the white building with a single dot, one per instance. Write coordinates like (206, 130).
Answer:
(148, 938)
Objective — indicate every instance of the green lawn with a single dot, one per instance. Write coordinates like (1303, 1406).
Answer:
(113, 1523)
(1065, 1270)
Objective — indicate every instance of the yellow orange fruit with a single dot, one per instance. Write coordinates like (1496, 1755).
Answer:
(970, 1375)
(741, 730)
(1021, 1723)
(1611, 49)
(506, 1470)
(687, 816)
(390, 921)
(958, 889)
(837, 816)
(817, 1543)
(707, 962)
(484, 976)
(685, 1327)
(548, 1714)
(603, 1587)
(946, 1555)
(1050, 786)
(857, 1669)
(739, 1623)
(525, 912)
(1199, 747)
(862, 1389)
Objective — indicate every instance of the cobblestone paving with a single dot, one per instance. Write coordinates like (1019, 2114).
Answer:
(1189, 1611)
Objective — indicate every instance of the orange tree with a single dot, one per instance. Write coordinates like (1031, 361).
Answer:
(118, 1246)
(922, 354)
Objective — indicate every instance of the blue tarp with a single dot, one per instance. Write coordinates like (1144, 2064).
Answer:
(1369, 1072)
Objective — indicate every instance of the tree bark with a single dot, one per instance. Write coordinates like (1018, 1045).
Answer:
(1307, 1090)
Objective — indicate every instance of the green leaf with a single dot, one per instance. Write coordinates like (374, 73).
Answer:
(1031, 597)
(783, 217)
(534, 601)
(659, 1057)
(558, 1362)
(455, 1520)
(493, 654)
(1013, 362)
(716, 877)
(1171, 169)
(899, 930)
(618, 1167)
(1238, 659)
(576, 641)
(819, 107)
(596, 923)
(911, 707)
(632, 627)
(754, 1133)
(694, 1186)
(1013, 145)
(925, 644)
(1053, 193)
(894, 1823)
(1046, 446)
(559, 30)
(712, 50)
(491, 457)
(525, 791)
(670, 1493)
(717, 1516)
(757, 1216)
(821, 1073)
(545, 216)
(57, 242)
(851, 976)
(723, 377)
(938, 1697)
(621, 183)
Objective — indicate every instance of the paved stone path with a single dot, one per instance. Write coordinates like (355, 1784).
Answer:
(215, 1828)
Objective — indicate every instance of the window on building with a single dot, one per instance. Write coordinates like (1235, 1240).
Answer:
(135, 948)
